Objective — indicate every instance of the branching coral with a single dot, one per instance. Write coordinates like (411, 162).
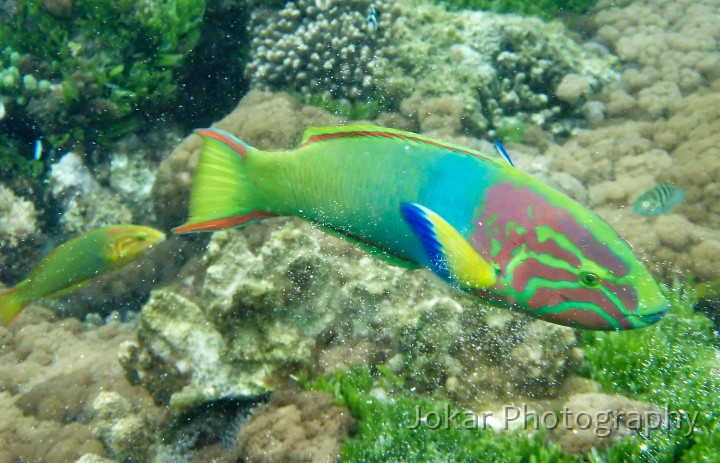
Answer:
(336, 49)
(507, 69)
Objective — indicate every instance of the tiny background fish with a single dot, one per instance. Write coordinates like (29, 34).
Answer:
(658, 199)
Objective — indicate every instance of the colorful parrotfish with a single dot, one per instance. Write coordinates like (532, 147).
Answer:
(477, 222)
(76, 262)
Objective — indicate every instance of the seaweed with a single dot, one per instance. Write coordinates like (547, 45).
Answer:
(107, 64)
(673, 364)
(387, 429)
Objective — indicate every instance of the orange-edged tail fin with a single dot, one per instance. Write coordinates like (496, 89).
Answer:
(11, 304)
(222, 195)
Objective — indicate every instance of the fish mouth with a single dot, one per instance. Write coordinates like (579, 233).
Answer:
(643, 320)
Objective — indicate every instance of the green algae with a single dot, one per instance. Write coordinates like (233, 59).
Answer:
(108, 63)
(351, 110)
(13, 164)
(673, 364)
(387, 416)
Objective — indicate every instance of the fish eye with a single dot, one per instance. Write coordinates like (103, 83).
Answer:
(589, 279)
(141, 237)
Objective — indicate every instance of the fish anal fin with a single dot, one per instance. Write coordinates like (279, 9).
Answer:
(223, 222)
(450, 255)
(68, 290)
(375, 251)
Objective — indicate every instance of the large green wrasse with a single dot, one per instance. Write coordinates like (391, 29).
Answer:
(658, 199)
(477, 222)
(77, 261)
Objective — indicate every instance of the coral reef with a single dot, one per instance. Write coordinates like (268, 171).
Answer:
(547, 9)
(85, 204)
(54, 373)
(182, 360)
(295, 426)
(508, 70)
(126, 431)
(662, 126)
(328, 48)
(667, 50)
(20, 237)
(259, 307)
(274, 300)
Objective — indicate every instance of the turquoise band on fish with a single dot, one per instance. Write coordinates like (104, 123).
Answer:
(481, 225)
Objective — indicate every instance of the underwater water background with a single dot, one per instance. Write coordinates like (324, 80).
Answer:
(280, 342)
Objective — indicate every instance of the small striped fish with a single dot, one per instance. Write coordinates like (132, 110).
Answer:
(658, 199)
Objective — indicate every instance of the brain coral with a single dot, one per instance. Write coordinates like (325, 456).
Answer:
(321, 47)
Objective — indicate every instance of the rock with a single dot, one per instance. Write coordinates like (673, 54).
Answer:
(295, 426)
(125, 430)
(92, 458)
(572, 88)
(20, 236)
(598, 421)
(282, 297)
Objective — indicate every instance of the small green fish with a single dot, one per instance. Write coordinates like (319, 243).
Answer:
(76, 262)
(658, 199)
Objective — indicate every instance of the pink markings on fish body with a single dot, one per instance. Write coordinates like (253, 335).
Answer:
(511, 203)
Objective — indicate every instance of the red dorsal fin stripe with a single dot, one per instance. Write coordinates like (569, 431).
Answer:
(226, 138)
(320, 134)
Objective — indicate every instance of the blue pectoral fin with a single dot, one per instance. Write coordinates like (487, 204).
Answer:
(449, 254)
